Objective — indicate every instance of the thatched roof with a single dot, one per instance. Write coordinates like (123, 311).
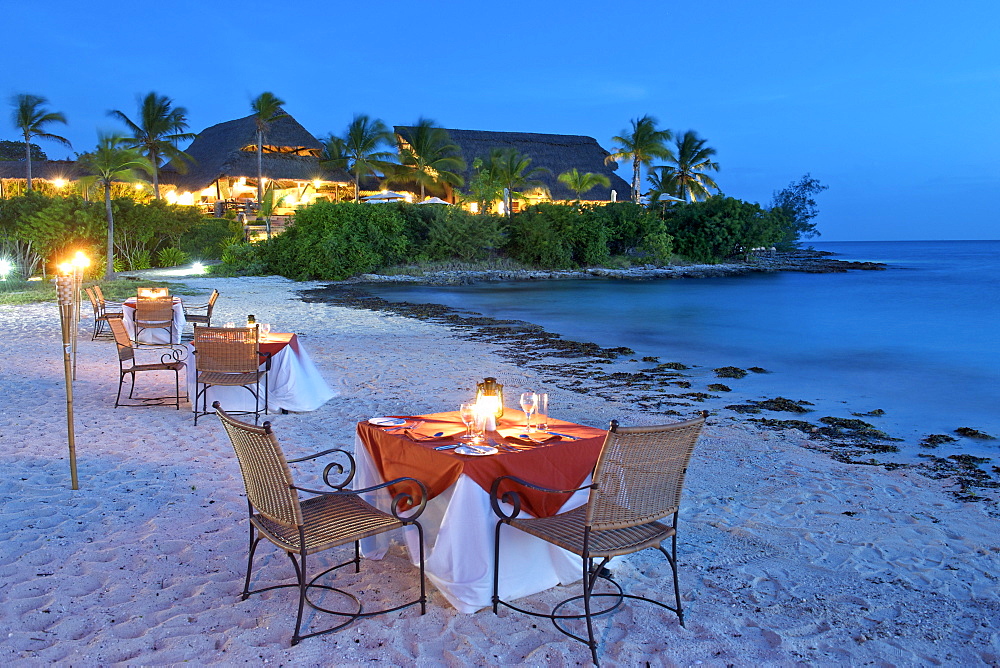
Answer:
(229, 150)
(48, 170)
(559, 153)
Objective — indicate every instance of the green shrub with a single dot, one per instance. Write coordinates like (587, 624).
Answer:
(336, 241)
(558, 236)
(456, 234)
(205, 237)
(240, 259)
(719, 227)
(171, 256)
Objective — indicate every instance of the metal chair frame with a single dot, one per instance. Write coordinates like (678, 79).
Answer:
(101, 315)
(154, 313)
(330, 518)
(170, 361)
(638, 481)
(201, 318)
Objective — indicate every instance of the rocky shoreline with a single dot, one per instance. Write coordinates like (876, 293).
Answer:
(808, 261)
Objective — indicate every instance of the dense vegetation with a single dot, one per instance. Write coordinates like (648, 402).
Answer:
(37, 232)
(336, 241)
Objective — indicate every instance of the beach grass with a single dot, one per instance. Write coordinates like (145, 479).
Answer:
(13, 293)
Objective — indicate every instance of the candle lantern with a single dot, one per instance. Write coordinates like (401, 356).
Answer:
(489, 395)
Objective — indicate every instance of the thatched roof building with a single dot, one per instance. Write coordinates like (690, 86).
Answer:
(229, 151)
(48, 170)
(558, 153)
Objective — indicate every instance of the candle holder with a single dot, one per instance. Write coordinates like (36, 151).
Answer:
(489, 396)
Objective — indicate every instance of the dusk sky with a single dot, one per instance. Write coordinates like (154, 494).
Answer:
(894, 106)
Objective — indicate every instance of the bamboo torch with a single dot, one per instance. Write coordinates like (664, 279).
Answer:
(64, 292)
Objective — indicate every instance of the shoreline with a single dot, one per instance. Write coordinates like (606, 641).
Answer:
(786, 556)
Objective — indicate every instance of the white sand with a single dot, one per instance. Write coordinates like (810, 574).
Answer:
(144, 564)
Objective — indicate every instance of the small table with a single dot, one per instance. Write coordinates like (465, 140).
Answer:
(459, 525)
(293, 383)
(153, 335)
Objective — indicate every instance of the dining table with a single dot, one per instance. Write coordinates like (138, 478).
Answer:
(458, 521)
(294, 383)
(154, 335)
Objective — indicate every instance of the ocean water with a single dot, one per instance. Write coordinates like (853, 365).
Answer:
(920, 341)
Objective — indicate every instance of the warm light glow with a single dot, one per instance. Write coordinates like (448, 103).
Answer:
(409, 197)
(242, 182)
(59, 183)
(139, 186)
(290, 200)
(186, 198)
(474, 207)
(317, 183)
(65, 268)
(80, 260)
(171, 196)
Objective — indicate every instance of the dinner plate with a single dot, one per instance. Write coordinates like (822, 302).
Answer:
(386, 421)
(476, 450)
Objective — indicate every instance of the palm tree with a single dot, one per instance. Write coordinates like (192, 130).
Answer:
(31, 117)
(430, 156)
(643, 144)
(362, 145)
(686, 178)
(334, 156)
(157, 132)
(581, 183)
(113, 160)
(508, 166)
(266, 109)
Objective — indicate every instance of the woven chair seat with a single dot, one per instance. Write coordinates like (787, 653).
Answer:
(221, 378)
(329, 521)
(566, 530)
(156, 366)
(191, 317)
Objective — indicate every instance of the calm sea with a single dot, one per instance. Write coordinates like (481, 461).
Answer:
(920, 340)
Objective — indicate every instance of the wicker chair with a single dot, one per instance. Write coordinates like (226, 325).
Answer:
(637, 483)
(110, 308)
(101, 316)
(154, 313)
(126, 353)
(201, 318)
(228, 357)
(329, 518)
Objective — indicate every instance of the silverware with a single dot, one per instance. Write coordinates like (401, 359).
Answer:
(556, 433)
(447, 447)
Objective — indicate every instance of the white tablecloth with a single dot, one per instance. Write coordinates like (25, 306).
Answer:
(153, 335)
(294, 384)
(459, 528)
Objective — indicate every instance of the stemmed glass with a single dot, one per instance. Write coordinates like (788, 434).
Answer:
(265, 329)
(467, 412)
(529, 402)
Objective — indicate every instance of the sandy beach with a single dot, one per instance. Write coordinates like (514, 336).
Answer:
(786, 556)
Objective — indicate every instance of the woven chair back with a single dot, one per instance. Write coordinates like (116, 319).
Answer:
(640, 474)
(125, 350)
(100, 294)
(266, 475)
(211, 302)
(227, 349)
(94, 301)
(154, 312)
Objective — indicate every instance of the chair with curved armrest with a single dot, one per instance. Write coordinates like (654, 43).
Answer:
(637, 484)
(126, 353)
(329, 518)
(111, 308)
(229, 357)
(201, 318)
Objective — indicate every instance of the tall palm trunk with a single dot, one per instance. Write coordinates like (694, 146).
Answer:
(155, 159)
(109, 270)
(357, 180)
(260, 167)
(635, 180)
(27, 155)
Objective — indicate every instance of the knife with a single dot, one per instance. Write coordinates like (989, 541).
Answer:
(447, 447)
(556, 433)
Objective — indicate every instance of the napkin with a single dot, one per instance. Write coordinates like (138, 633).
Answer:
(421, 438)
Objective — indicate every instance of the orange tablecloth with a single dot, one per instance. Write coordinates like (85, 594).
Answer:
(557, 464)
(275, 342)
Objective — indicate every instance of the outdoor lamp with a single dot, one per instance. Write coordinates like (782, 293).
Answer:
(65, 268)
(81, 261)
(5, 268)
(489, 397)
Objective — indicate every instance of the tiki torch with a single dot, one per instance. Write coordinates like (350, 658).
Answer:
(64, 293)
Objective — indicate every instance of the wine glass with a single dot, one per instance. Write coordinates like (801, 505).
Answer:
(529, 402)
(467, 412)
(265, 329)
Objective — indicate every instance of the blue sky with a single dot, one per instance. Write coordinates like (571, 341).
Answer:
(894, 106)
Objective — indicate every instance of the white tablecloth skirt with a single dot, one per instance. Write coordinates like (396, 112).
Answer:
(459, 528)
(294, 384)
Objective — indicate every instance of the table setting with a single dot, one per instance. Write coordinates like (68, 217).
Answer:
(458, 455)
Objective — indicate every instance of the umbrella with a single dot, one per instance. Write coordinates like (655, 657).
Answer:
(434, 200)
(386, 196)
